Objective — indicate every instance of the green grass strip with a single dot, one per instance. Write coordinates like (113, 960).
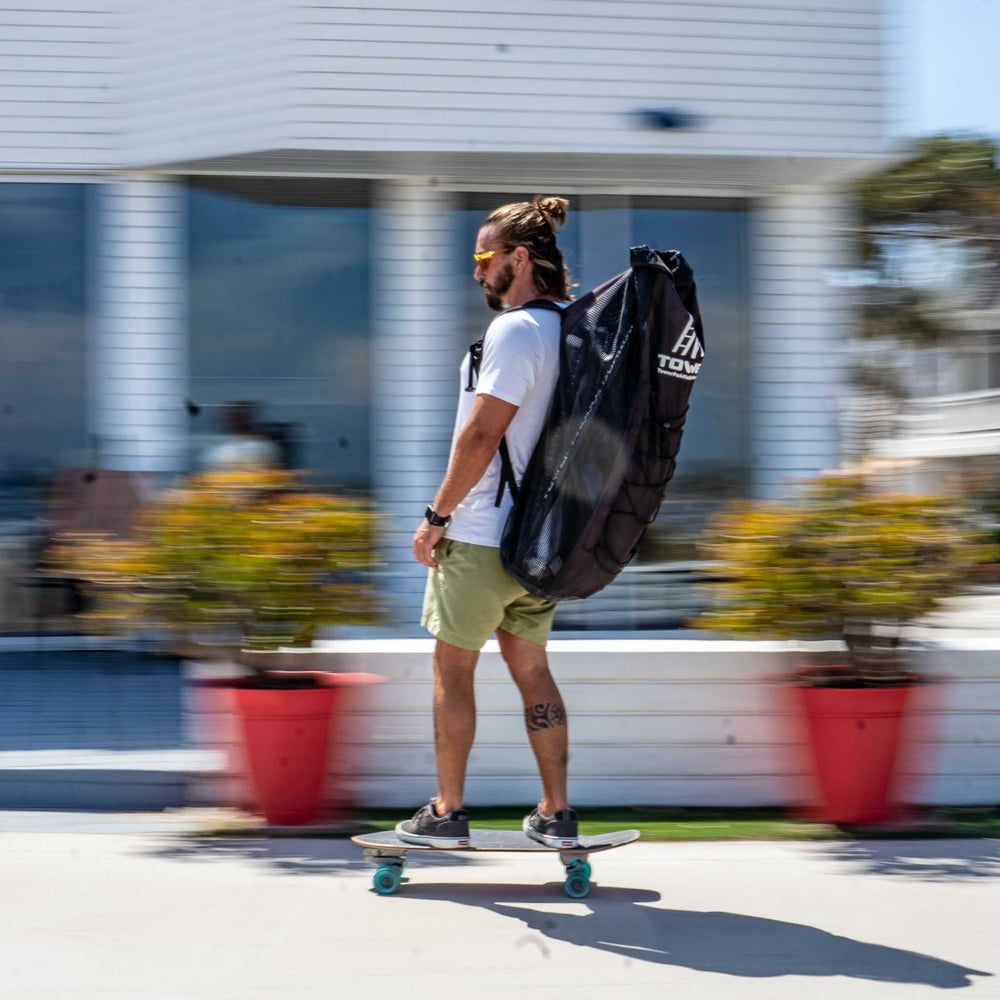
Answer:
(666, 824)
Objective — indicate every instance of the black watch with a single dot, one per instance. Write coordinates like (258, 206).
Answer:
(433, 517)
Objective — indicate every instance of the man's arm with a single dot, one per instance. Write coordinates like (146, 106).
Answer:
(477, 443)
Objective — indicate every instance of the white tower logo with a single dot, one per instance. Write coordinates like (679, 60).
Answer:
(684, 361)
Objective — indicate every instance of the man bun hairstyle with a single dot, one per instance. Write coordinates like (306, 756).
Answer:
(533, 225)
(554, 209)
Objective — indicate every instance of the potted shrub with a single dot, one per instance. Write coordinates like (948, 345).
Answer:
(254, 560)
(843, 561)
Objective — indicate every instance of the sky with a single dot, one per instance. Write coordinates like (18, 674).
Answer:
(947, 65)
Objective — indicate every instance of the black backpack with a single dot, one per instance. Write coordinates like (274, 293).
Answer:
(629, 354)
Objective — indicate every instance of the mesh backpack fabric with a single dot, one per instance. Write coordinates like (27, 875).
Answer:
(630, 352)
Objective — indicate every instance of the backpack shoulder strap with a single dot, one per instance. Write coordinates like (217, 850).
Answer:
(507, 477)
(475, 360)
(508, 480)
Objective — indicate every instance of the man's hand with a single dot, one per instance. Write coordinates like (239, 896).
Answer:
(427, 536)
(475, 447)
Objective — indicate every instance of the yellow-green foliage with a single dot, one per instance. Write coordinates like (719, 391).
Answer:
(840, 557)
(247, 551)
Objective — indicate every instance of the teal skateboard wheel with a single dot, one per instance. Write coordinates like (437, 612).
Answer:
(578, 866)
(577, 886)
(386, 880)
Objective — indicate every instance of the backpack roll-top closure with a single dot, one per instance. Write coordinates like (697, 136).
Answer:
(647, 257)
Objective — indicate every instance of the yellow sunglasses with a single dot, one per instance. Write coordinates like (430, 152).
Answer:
(482, 259)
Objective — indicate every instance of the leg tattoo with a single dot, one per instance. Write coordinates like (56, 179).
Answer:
(544, 716)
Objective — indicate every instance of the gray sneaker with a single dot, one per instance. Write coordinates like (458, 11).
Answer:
(557, 830)
(431, 830)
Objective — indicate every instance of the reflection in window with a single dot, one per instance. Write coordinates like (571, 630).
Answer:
(279, 320)
(42, 382)
(714, 456)
(42, 379)
(713, 465)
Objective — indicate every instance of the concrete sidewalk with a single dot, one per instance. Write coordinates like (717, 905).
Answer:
(134, 907)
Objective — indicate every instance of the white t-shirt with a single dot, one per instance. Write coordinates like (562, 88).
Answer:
(520, 365)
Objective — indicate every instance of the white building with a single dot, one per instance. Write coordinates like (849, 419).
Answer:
(948, 435)
(272, 200)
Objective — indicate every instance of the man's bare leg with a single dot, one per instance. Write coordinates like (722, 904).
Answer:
(454, 720)
(544, 714)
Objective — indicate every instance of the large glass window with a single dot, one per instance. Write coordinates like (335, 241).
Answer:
(714, 456)
(279, 320)
(42, 331)
(42, 376)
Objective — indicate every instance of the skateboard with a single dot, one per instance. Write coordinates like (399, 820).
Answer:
(387, 851)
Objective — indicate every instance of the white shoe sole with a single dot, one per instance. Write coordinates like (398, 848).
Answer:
(429, 840)
(546, 839)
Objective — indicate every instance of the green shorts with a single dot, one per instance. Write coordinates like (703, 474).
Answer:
(470, 595)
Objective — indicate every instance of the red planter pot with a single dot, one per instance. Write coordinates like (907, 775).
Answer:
(290, 741)
(855, 738)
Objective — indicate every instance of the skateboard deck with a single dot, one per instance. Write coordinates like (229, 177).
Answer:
(387, 851)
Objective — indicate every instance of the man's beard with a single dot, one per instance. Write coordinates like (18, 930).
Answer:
(498, 289)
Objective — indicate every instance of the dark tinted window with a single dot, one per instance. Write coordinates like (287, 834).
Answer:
(42, 341)
(714, 456)
(279, 317)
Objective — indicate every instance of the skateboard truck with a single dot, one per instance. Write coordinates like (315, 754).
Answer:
(391, 866)
(390, 870)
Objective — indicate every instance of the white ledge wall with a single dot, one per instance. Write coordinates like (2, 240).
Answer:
(673, 722)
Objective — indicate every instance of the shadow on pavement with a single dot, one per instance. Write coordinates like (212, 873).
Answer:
(926, 860)
(729, 943)
(622, 922)
(287, 856)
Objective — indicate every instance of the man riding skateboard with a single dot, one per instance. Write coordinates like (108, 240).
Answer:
(469, 596)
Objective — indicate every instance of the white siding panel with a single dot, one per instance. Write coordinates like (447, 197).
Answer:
(136, 83)
(675, 19)
(622, 80)
(471, 60)
(792, 78)
(798, 326)
(415, 301)
(57, 80)
(204, 79)
(139, 362)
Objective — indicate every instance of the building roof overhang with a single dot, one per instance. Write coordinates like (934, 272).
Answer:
(737, 174)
